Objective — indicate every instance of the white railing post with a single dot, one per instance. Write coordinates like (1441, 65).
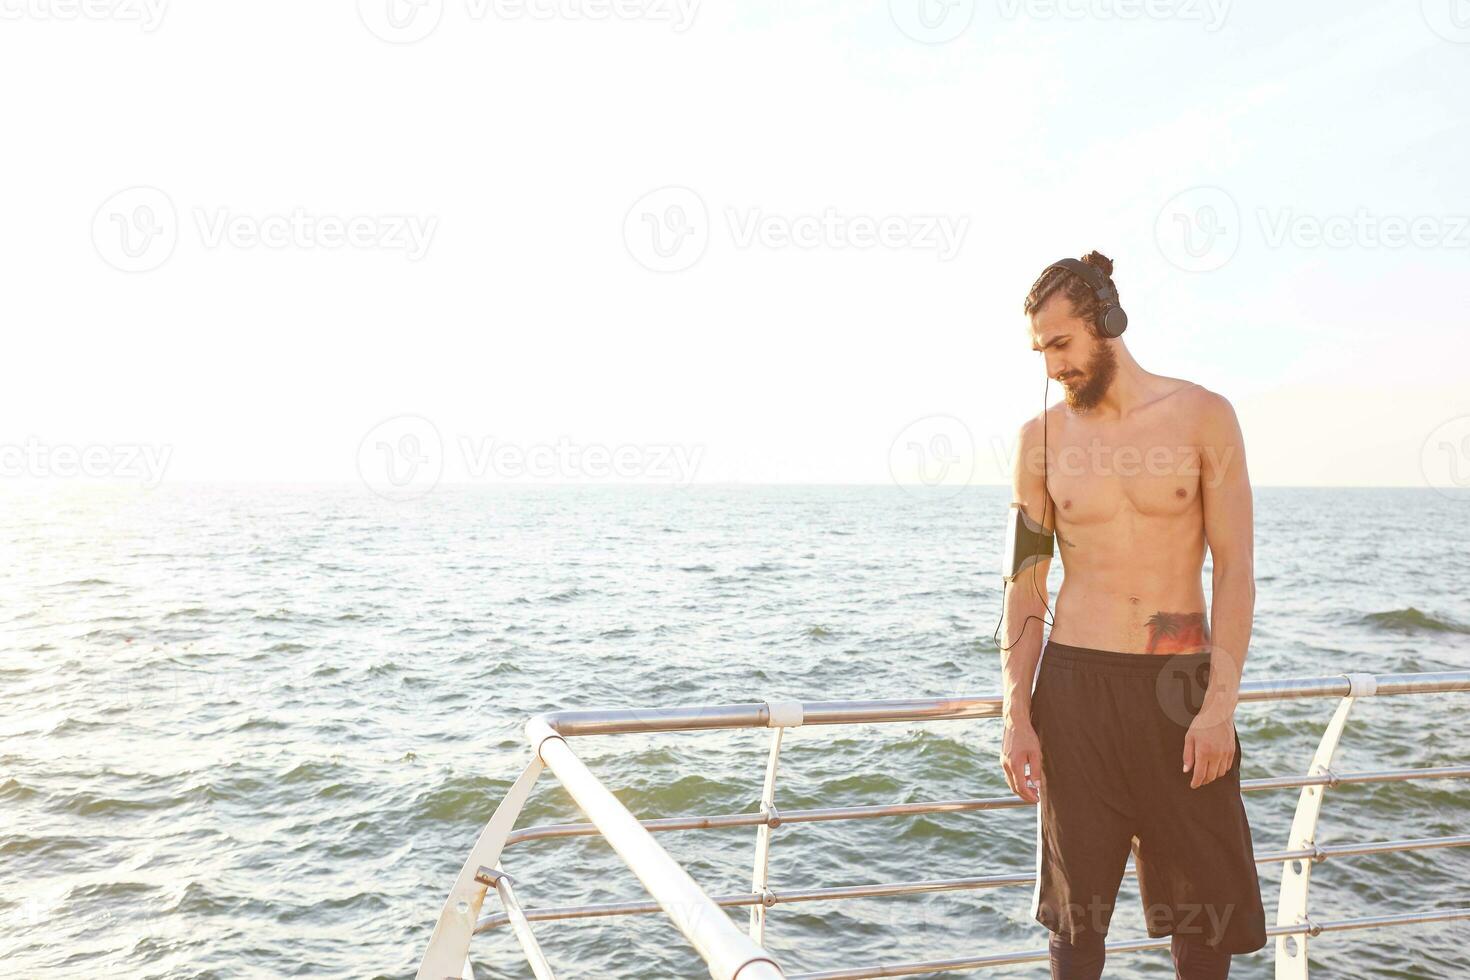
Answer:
(780, 715)
(1296, 875)
(448, 955)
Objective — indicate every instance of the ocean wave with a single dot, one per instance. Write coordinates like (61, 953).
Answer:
(1412, 620)
(47, 848)
(13, 791)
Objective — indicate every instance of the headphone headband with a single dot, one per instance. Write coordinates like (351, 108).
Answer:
(1111, 318)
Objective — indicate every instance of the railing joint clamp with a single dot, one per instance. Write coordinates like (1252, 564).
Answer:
(1313, 929)
(1361, 685)
(768, 898)
(773, 816)
(489, 876)
(1318, 855)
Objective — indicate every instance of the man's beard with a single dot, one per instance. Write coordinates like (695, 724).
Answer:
(1101, 368)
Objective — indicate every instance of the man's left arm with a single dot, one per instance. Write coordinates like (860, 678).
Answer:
(1225, 496)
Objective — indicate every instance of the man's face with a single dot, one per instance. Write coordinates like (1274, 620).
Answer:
(1083, 364)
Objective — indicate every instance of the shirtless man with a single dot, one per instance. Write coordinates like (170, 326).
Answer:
(1128, 740)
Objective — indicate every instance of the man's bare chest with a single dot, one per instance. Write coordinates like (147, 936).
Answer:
(1099, 470)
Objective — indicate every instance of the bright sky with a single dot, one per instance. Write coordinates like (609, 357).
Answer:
(754, 241)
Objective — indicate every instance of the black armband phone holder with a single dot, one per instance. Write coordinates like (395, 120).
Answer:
(1027, 543)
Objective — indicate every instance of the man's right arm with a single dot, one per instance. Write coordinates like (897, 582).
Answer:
(1026, 600)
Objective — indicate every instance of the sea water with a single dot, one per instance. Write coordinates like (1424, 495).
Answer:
(253, 731)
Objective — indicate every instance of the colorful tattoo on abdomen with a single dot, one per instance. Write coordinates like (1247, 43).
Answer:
(1178, 633)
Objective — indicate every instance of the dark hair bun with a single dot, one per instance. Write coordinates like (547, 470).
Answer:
(1100, 261)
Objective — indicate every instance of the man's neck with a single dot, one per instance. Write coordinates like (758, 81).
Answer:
(1132, 386)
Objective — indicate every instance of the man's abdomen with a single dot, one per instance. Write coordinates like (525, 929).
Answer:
(1146, 621)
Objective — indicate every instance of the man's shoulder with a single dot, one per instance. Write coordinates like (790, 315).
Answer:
(1212, 406)
(1208, 413)
(1199, 402)
(1034, 428)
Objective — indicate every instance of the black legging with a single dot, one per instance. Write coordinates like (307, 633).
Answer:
(1193, 960)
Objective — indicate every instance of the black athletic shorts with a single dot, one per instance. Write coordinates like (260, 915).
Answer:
(1112, 729)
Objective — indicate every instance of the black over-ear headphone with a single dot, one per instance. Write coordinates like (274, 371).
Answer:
(1112, 321)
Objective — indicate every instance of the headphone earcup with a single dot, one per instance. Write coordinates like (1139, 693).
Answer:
(1114, 321)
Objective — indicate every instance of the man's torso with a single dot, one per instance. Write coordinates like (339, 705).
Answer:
(1126, 494)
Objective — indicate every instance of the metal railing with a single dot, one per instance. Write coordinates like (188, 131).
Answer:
(733, 955)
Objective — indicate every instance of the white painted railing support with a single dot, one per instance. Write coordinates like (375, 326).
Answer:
(1296, 875)
(448, 955)
(780, 715)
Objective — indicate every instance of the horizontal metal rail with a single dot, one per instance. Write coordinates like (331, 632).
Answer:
(725, 821)
(691, 718)
(1309, 928)
(790, 896)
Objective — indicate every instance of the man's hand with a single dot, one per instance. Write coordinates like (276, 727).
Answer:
(1020, 748)
(1209, 749)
